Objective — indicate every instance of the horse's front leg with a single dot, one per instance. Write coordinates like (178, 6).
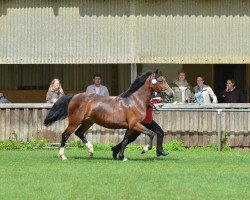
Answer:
(123, 146)
(131, 138)
(116, 149)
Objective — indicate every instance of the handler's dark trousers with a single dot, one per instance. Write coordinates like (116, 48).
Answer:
(153, 126)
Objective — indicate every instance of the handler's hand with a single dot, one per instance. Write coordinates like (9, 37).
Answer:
(54, 100)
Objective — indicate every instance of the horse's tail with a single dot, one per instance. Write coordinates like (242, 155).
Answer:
(59, 110)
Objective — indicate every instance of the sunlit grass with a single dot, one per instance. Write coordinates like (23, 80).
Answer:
(39, 174)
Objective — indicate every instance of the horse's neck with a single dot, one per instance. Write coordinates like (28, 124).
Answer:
(143, 94)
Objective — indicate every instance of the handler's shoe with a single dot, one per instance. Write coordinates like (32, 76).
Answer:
(162, 153)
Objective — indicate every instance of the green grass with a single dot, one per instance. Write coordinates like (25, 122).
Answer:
(39, 174)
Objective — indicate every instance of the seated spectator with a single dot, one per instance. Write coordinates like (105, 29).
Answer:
(3, 99)
(231, 94)
(182, 90)
(97, 88)
(55, 91)
(203, 93)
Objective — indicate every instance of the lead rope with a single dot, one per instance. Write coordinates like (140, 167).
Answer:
(156, 111)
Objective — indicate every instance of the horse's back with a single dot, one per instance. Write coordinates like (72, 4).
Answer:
(96, 102)
(107, 111)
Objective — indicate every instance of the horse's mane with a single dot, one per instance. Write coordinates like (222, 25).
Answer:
(139, 81)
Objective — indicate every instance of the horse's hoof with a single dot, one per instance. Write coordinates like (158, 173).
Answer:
(63, 157)
(121, 157)
(124, 159)
(145, 149)
(114, 154)
(91, 151)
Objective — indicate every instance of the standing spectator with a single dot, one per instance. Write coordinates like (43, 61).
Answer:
(231, 94)
(55, 91)
(97, 88)
(3, 99)
(203, 93)
(182, 90)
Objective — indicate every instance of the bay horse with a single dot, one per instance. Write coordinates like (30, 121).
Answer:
(126, 111)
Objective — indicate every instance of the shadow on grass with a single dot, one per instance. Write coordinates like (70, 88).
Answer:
(145, 159)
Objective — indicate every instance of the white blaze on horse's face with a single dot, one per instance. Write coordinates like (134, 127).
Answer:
(154, 81)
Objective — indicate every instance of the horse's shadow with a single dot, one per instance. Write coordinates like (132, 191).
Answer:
(145, 159)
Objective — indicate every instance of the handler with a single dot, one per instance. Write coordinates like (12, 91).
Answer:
(153, 126)
(150, 124)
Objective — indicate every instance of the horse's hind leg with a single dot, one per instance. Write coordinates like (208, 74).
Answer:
(80, 133)
(123, 146)
(65, 136)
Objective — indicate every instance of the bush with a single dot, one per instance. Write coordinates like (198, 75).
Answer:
(39, 143)
(9, 145)
(175, 145)
(136, 147)
(224, 147)
(99, 147)
(14, 145)
(76, 144)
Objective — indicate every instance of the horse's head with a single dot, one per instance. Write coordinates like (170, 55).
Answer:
(158, 82)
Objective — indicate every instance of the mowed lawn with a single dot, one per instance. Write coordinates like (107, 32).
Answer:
(39, 174)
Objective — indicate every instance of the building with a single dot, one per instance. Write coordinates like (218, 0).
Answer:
(72, 39)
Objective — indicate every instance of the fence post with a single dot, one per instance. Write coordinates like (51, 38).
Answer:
(219, 128)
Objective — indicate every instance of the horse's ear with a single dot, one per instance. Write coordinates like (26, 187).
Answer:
(158, 73)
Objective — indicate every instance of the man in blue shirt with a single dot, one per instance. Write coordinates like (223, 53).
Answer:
(3, 99)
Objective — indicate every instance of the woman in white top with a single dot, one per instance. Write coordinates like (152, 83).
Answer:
(203, 93)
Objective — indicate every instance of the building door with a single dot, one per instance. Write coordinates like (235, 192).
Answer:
(230, 71)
